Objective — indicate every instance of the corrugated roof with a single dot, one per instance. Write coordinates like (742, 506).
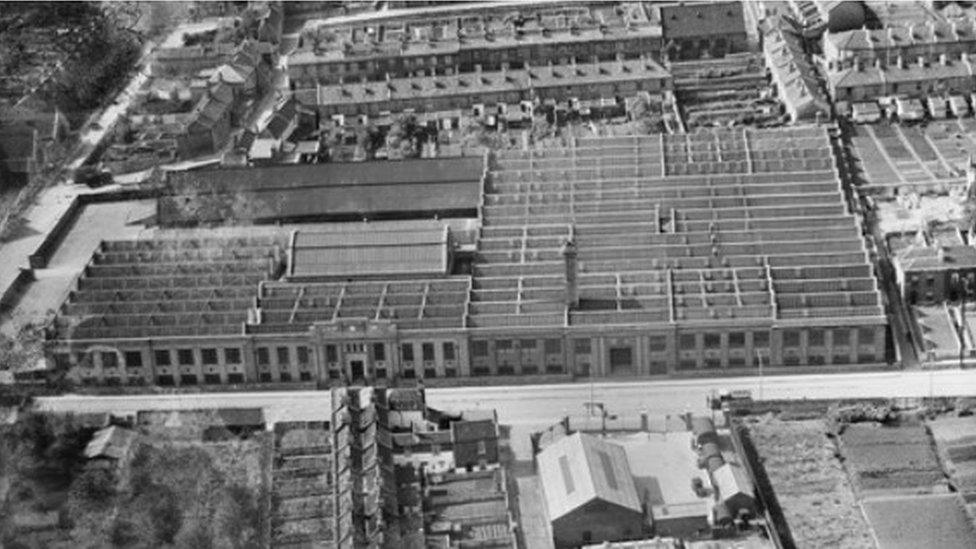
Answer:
(578, 469)
(371, 253)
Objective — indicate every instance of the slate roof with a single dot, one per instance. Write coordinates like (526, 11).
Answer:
(422, 251)
(343, 189)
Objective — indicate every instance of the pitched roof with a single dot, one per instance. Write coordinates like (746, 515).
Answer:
(580, 468)
(732, 480)
(111, 442)
(358, 252)
(473, 431)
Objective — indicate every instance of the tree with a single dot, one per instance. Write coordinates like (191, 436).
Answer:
(164, 513)
(95, 485)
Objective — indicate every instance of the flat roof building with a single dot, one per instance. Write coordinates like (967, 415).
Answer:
(714, 251)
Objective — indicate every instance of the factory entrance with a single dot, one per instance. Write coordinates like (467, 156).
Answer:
(621, 360)
(357, 370)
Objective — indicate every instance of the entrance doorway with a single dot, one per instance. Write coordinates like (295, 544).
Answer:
(621, 360)
(357, 370)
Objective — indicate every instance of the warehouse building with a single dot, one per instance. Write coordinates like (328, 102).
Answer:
(699, 253)
(589, 492)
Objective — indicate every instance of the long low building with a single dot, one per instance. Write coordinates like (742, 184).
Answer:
(684, 254)
(601, 79)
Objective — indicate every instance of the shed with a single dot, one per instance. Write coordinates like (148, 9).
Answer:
(734, 488)
(112, 442)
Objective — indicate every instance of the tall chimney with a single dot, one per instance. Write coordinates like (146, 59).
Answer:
(572, 268)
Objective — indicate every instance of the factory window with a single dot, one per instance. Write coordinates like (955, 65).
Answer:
(503, 344)
(865, 358)
(479, 348)
(554, 368)
(235, 378)
(211, 379)
(659, 344)
(264, 377)
(63, 360)
(331, 353)
(430, 372)
(554, 346)
(162, 358)
(737, 362)
(713, 341)
(427, 349)
(284, 356)
(865, 336)
(164, 381)
(188, 379)
(185, 357)
(286, 377)
(737, 339)
(815, 337)
(232, 355)
(713, 363)
(583, 346)
(842, 336)
(208, 356)
(528, 343)
(264, 357)
(816, 360)
(406, 350)
(110, 360)
(687, 341)
(133, 359)
(379, 351)
(791, 360)
(449, 351)
(791, 338)
(409, 374)
(760, 339)
(303, 358)
(687, 364)
(840, 359)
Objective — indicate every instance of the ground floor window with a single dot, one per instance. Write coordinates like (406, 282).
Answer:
(479, 371)
(305, 376)
(235, 378)
(430, 372)
(264, 377)
(211, 379)
(687, 364)
(189, 379)
(286, 376)
(554, 368)
(450, 372)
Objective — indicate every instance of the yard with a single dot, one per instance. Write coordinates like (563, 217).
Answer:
(913, 522)
(810, 484)
(162, 491)
(885, 458)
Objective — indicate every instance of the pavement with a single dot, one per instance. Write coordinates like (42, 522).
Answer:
(529, 408)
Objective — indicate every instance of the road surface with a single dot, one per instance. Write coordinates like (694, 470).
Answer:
(531, 407)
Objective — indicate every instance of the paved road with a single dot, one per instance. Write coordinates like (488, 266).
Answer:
(527, 404)
(529, 408)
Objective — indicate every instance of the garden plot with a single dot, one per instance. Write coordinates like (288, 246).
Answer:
(913, 156)
(884, 459)
(936, 521)
(810, 484)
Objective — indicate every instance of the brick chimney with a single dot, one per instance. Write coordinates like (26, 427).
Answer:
(572, 268)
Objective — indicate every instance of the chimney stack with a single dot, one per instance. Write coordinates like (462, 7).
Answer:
(572, 268)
